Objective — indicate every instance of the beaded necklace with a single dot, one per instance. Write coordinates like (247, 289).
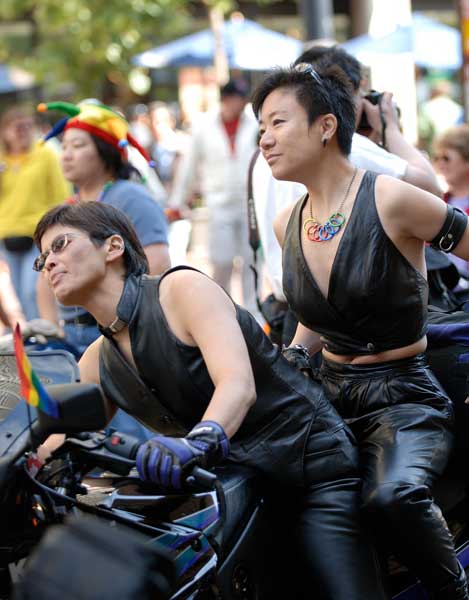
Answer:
(315, 232)
(102, 193)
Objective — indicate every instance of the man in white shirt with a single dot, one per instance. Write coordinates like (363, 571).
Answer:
(400, 159)
(217, 160)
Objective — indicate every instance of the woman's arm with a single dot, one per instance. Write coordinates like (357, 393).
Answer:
(419, 170)
(308, 338)
(412, 213)
(10, 307)
(201, 314)
(89, 373)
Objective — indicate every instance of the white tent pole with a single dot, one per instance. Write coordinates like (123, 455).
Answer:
(222, 72)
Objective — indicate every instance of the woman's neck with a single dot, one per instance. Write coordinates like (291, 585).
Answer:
(327, 183)
(102, 300)
(19, 150)
(91, 190)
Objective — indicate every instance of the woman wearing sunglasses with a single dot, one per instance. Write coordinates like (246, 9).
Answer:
(354, 275)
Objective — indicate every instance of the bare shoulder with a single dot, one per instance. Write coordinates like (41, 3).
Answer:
(281, 222)
(389, 188)
(397, 193)
(408, 209)
(187, 288)
(89, 363)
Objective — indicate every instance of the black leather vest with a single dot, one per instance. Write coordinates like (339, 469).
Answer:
(376, 301)
(172, 388)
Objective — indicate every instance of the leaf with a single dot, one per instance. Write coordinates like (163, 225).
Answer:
(68, 41)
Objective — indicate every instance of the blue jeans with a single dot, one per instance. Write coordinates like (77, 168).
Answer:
(24, 279)
(124, 423)
(80, 336)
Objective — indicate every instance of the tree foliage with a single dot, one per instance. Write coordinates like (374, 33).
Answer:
(86, 42)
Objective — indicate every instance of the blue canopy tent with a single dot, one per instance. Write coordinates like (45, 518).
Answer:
(13, 80)
(434, 45)
(248, 46)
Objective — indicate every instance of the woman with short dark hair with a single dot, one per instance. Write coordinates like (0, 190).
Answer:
(354, 276)
(181, 356)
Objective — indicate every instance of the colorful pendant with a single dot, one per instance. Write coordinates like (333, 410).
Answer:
(323, 233)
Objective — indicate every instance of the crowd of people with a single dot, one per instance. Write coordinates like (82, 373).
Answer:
(83, 165)
(343, 220)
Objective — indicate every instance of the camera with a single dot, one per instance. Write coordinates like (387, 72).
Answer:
(375, 98)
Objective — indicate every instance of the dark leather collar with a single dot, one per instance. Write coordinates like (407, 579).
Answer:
(125, 308)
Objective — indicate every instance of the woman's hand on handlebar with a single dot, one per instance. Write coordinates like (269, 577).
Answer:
(167, 461)
(53, 442)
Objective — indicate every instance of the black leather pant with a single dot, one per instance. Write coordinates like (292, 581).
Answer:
(403, 423)
(339, 561)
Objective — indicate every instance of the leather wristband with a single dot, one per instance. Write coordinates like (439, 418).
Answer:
(298, 355)
(210, 437)
(452, 231)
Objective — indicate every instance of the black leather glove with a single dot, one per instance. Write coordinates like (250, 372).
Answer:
(299, 357)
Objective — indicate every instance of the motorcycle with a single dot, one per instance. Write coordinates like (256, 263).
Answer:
(216, 533)
(226, 532)
(220, 533)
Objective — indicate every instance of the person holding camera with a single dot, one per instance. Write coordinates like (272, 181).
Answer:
(398, 159)
(354, 274)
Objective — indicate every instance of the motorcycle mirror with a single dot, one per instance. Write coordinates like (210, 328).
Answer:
(81, 408)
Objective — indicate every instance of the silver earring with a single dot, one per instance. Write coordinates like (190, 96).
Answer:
(324, 142)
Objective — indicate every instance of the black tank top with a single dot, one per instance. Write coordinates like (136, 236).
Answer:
(172, 387)
(376, 300)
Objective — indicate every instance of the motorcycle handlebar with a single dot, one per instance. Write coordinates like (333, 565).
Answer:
(202, 478)
(127, 446)
(120, 449)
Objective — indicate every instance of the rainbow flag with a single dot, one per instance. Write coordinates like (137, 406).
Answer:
(31, 388)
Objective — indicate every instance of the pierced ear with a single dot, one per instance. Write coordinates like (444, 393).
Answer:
(328, 127)
(116, 244)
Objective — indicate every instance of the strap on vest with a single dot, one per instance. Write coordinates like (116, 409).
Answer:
(254, 238)
(124, 308)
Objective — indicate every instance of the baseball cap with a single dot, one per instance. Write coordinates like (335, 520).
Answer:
(235, 87)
